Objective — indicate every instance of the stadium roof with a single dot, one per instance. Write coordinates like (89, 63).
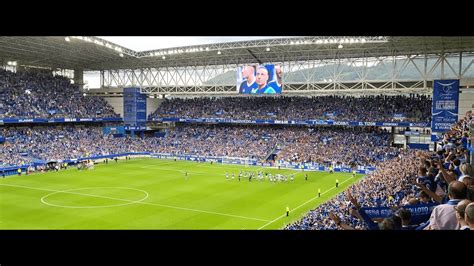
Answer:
(92, 53)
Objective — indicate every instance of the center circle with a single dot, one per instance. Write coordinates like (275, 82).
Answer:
(77, 191)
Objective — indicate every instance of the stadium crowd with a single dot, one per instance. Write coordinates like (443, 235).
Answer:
(403, 178)
(411, 108)
(39, 95)
(411, 179)
(341, 146)
(298, 144)
(24, 145)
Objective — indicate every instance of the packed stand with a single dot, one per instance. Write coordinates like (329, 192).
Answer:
(40, 95)
(414, 178)
(341, 145)
(412, 108)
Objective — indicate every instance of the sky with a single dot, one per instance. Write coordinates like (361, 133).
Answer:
(146, 43)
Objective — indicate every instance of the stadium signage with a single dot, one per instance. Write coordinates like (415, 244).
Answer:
(320, 122)
(419, 213)
(418, 124)
(391, 124)
(58, 120)
(244, 161)
(445, 104)
(243, 121)
(291, 122)
(135, 128)
(411, 133)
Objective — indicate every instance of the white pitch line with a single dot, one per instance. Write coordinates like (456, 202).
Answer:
(170, 169)
(43, 199)
(146, 203)
(279, 217)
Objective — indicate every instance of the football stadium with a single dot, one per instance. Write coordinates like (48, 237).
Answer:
(273, 133)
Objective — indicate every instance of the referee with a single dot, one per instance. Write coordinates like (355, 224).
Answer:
(287, 211)
(337, 182)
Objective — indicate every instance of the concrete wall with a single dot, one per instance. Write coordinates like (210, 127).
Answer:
(79, 78)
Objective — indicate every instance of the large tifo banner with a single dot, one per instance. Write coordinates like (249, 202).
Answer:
(445, 104)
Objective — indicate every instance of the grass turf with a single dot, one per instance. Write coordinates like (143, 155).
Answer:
(154, 194)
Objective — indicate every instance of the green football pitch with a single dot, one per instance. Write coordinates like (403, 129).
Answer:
(154, 194)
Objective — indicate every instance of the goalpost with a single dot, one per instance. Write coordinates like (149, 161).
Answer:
(247, 162)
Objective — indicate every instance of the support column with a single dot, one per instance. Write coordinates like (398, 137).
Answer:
(79, 78)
